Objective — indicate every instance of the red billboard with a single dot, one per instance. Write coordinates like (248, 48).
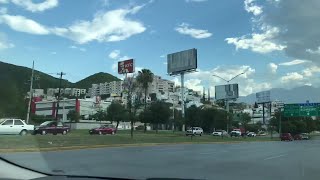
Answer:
(126, 66)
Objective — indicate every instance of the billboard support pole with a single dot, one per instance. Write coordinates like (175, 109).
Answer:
(227, 108)
(182, 99)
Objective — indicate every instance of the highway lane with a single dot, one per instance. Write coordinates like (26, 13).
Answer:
(254, 160)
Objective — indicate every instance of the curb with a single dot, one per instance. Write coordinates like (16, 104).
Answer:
(70, 148)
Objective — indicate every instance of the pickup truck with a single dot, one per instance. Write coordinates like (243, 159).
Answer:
(15, 126)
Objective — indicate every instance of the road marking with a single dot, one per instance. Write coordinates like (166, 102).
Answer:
(274, 157)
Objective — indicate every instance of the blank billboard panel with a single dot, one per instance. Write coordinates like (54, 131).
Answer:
(229, 91)
(182, 61)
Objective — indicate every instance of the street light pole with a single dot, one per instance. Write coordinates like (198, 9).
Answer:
(227, 100)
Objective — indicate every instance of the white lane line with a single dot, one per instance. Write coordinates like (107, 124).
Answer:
(274, 157)
(207, 153)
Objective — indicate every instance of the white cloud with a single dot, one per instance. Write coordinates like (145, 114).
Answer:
(114, 66)
(294, 62)
(114, 54)
(22, 24)
(165, 63)
(261, 43)
(4, 43)
(36, 7)
(105, 27)
(79, 48)
(185, 29)
(292, 76)
(163, 56)
(272, 68)
(308, 72)
(316, 51)
(251, 7)
(4, 1)
(53, 53)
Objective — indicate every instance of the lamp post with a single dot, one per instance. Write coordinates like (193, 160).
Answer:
(227, 100)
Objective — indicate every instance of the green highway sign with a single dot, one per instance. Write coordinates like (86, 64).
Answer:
(302, 110)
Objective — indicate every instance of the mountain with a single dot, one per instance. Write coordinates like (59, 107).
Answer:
(295, 95)
(15, 82)
(95, 79)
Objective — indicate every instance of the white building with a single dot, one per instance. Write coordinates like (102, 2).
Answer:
(85, 107)
(36, 93)
(113, 88)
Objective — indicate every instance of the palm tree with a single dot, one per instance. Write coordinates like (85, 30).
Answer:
(144, 78)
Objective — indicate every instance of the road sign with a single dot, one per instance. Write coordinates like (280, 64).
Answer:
(302, 110)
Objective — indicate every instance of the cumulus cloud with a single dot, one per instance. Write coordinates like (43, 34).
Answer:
(297, 24)
(294, 62)
(107, 26)
(272, 68)
(185, 29)
(23, 24)
(36, 7)
(78, 48)
(114, 54)
(260, 43)
(292, 76)
(251, 7)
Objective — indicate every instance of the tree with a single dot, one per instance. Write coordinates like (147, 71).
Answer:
(100, 115)
(159, 113)
(244, 119)
(193, 116)
(144, 78)
(74, 116)
(116, 113)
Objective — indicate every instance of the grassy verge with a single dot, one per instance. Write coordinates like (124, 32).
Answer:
(81, 138)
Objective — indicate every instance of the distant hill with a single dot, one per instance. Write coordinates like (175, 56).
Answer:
(95, 79)
(295, 95)
(15, 82)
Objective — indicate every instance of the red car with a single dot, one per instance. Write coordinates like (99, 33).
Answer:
(51, 127)
(104, 129)
(297, 137)
(286, 137)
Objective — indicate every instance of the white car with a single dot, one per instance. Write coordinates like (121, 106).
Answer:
(251, 134)
(194, 131)
(220, 133)
(14, 126)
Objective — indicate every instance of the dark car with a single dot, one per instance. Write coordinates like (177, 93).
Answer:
(286, 137)
(51, 127)
(305, 136)
(104, 129)
(297, 137)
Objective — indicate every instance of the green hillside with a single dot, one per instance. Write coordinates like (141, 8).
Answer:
(95, 79)
(15, 82)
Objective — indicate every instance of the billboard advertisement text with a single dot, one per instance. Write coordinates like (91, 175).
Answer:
(126, 66)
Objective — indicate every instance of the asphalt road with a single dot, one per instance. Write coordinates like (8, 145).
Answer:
(244, 161)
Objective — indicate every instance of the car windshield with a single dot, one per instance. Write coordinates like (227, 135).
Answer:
(45, 123)
(169, 89)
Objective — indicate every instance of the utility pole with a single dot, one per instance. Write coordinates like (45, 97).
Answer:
(59, 93)
(30, 93)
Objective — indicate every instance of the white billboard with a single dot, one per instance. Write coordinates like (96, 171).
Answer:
(263, 97)
(182, 61)
(229, 91)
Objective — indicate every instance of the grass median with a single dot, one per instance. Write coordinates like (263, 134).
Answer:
(81, 139)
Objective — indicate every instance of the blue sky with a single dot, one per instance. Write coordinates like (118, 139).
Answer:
(84, 37)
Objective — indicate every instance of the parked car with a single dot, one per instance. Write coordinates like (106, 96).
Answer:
(15, 126)
(194, 131)
(305, 136)
(297, 137)
(251, 134)
(103, 129)
(262, 133)
(220, 133)
(51, 127)
(235, 133)
(286, 137)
